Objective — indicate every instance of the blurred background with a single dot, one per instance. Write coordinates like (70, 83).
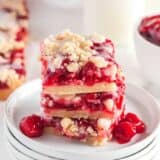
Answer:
(116, 19)
(110, 17)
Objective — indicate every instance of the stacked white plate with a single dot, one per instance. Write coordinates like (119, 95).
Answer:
(26, 101)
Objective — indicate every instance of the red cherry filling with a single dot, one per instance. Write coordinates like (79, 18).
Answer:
(105, 48)
(17, 53)
(32, 126)
(20, 71)
(90, 102)
(7, 9)
(124, 132)
(89, 74)
(21, 34)
(22, 17)
(150, 29)
(3, 85)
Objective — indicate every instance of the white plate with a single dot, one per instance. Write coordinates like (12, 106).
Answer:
(16, 145)
(16, 154)
(25, 101)
(22, 149)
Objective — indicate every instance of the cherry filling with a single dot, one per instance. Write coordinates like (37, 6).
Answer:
(3, 85)
(21, 34)
(150, 29)
(105, 48)
(19, 68)
(22, 17)
(90, 102)
(16, 53)
(10, 64)
(7, 9)
(20, 71)
(88, 75)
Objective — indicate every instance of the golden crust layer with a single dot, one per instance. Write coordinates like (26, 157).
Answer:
(4, 93)
(77, 89)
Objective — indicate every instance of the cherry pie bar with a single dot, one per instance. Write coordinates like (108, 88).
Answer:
(13, 37)
(83, 86)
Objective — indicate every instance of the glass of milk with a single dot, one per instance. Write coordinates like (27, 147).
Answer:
(113, 18)
(153, 6)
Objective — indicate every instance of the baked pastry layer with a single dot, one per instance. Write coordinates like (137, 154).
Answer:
(77, 89)
(92, 105)
(7, 90)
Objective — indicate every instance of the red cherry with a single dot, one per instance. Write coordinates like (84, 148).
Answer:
(139, 124)
(124, 132)
(32, 126)
(91, 97)
(88, 73)
(131, 117)
(140, 128)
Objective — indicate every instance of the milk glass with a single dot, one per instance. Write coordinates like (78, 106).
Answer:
(113, 18)
(153, 6)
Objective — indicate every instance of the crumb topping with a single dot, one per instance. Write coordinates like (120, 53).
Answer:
(66, 122)
(6, 46)
(9, 77)
(96, 37)
(99, 61)
(104, 123)
(73, 67)
(109, 104)
(77, 48)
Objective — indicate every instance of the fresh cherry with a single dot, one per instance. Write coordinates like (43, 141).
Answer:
(140, 126)
(124, 132)
(131, 117)
(32, 126)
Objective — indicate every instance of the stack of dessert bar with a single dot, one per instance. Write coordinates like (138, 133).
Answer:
(83, 87)
(13, 37)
